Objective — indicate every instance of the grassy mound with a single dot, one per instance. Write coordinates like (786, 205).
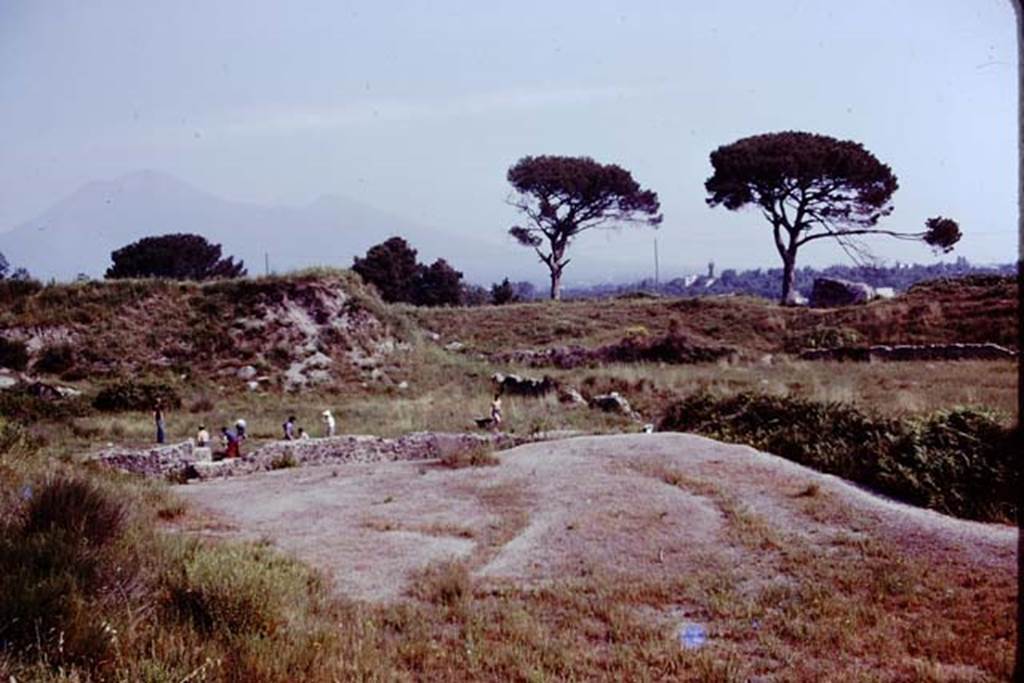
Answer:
(960, 462)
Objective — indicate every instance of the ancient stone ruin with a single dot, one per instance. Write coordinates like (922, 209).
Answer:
(911, 352)
(183, 461)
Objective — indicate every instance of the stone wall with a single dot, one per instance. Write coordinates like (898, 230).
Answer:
(911, 352)
(182, 461)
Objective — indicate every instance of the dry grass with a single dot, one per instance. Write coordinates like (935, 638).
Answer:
(964, 311)
(827, 605)
(480, 456)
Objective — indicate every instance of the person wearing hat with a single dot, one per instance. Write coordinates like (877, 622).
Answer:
(202, 437)
(240, 429)
(329, 423)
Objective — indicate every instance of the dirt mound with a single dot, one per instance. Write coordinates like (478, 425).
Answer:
(294, 332)
(640, 506)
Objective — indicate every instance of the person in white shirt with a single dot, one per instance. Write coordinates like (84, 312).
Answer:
(329, 423)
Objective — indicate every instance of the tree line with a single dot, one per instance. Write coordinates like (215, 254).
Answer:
(807, 187)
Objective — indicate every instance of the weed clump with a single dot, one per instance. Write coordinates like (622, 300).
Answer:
(473, 456)
(283, 461)
(959, 462)
(444, 583)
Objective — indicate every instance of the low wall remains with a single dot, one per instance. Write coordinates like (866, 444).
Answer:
(910, 352)
(184, 461)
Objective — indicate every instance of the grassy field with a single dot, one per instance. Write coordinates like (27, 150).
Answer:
(143, 604)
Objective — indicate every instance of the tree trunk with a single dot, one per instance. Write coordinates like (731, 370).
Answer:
(556, 284)
(789, 279)
(556, 265)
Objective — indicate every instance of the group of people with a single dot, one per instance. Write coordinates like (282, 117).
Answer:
(294, 433)
(231, 439)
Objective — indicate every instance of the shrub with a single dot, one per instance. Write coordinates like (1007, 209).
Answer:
(959, 462)
(126, 396)
(283, 461)
(231, 591)
(18, 289)
(472, 456)
(503, 293)
(21, 404)
(54, 360)
(58, 557)
(13, 354)
(442, 583)
(77, 506)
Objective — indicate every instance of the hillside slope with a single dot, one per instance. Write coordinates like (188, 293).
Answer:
(315, 328)
(973, 309)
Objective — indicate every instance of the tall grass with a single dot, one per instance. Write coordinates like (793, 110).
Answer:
(961, 462)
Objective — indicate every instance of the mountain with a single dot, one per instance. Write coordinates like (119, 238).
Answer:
(78, 234)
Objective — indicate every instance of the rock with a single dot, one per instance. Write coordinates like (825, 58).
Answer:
(455, 346)
(571, 397)
(202, 454)
(246, 372)
(7, 381)
(613, 403)
(403, 385)
(52, 392)
(517, 385)
(832, 292)
(432, 336)
(252, 385)
(885, 293)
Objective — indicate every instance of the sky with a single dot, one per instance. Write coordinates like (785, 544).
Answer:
(420, 108)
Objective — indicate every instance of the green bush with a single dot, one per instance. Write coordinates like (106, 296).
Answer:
(54, 360)
(13, 354)
(127, 396)
(959, 462)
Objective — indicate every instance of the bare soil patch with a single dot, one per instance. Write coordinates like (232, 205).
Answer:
(656, 506)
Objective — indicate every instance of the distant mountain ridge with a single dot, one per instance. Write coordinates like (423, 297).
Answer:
(77, 234)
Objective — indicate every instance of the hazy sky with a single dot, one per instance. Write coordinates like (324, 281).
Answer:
(420, 108)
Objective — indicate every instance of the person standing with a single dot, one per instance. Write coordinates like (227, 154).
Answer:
(202, 437)
(240, 429)
(158, 419)
(496, 412)
(231, 448)
(329, 423)
(289, 428)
